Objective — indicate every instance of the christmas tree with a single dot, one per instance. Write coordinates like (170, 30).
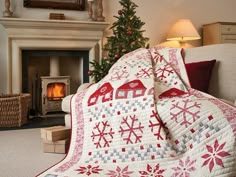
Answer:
(127, 36)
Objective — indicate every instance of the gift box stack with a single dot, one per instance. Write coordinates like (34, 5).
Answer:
(55, 139)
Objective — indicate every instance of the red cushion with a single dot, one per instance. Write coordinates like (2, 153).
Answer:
(199, 74)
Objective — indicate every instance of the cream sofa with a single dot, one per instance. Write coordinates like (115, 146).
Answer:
(223, 80)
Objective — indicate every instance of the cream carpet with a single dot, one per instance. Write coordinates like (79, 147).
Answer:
(21, 153)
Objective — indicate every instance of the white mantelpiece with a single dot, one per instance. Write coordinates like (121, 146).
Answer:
(29, 34)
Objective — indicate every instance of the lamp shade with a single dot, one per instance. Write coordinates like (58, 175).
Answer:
(183, 30)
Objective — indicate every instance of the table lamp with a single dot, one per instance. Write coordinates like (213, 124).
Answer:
(182, 31)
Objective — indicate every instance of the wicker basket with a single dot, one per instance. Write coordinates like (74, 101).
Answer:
(14, 109)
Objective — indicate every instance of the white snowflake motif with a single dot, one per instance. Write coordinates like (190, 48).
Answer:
(185, 168)
(131, 129)
(102, 135)
(186, 112)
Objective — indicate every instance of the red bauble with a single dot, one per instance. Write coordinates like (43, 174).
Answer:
(120, 12)
(90, 72)
(129, 32)
(117, 55)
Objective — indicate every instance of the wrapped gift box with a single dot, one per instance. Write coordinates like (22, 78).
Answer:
(60, 146)
(55, 133)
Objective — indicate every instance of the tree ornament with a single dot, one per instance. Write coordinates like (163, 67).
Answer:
(90, 72)
(124, 50)
(117, 56)
(120, 12)
(129, 32)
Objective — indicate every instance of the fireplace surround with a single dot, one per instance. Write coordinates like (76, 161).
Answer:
(32, 34)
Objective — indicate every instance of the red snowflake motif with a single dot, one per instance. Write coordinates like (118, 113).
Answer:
(157, 58)
(163, 72)
(102, 135)
(119, 75)
(157, 126)
(144, 73)
(88, 170)
(215, 155)
(131, 129)
(185, 111)
(156, 172)
(120, 172)
(185, 168)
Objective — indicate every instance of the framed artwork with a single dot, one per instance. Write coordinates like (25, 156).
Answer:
(56, 4)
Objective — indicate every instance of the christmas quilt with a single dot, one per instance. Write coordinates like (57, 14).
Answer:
(143, 119)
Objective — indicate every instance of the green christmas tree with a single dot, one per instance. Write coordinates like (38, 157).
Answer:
(127, 36)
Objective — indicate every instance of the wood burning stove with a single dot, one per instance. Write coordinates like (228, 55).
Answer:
(54, 89)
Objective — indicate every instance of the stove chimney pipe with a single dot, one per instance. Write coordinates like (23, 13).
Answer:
(54, 66)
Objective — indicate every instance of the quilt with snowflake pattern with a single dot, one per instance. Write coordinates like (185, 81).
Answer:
(143, 119)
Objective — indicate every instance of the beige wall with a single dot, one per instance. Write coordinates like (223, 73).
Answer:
(158, 15)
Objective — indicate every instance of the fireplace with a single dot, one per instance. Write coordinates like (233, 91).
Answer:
(52, 36)
(56, 35)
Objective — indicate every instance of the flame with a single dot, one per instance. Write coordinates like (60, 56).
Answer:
(56, 91)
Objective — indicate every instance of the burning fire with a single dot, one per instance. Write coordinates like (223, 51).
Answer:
(56, 91)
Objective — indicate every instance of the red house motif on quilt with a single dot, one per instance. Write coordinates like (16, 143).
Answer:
(103, 94)
(131, 89)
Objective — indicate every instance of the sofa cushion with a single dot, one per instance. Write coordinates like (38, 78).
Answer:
(199, 74)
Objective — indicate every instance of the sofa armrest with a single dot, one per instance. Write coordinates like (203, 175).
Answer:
(83, 86)
(65, 105)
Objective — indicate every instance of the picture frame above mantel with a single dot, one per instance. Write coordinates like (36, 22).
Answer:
(56, 4)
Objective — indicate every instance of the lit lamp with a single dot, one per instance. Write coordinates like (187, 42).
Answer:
(182, 31)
